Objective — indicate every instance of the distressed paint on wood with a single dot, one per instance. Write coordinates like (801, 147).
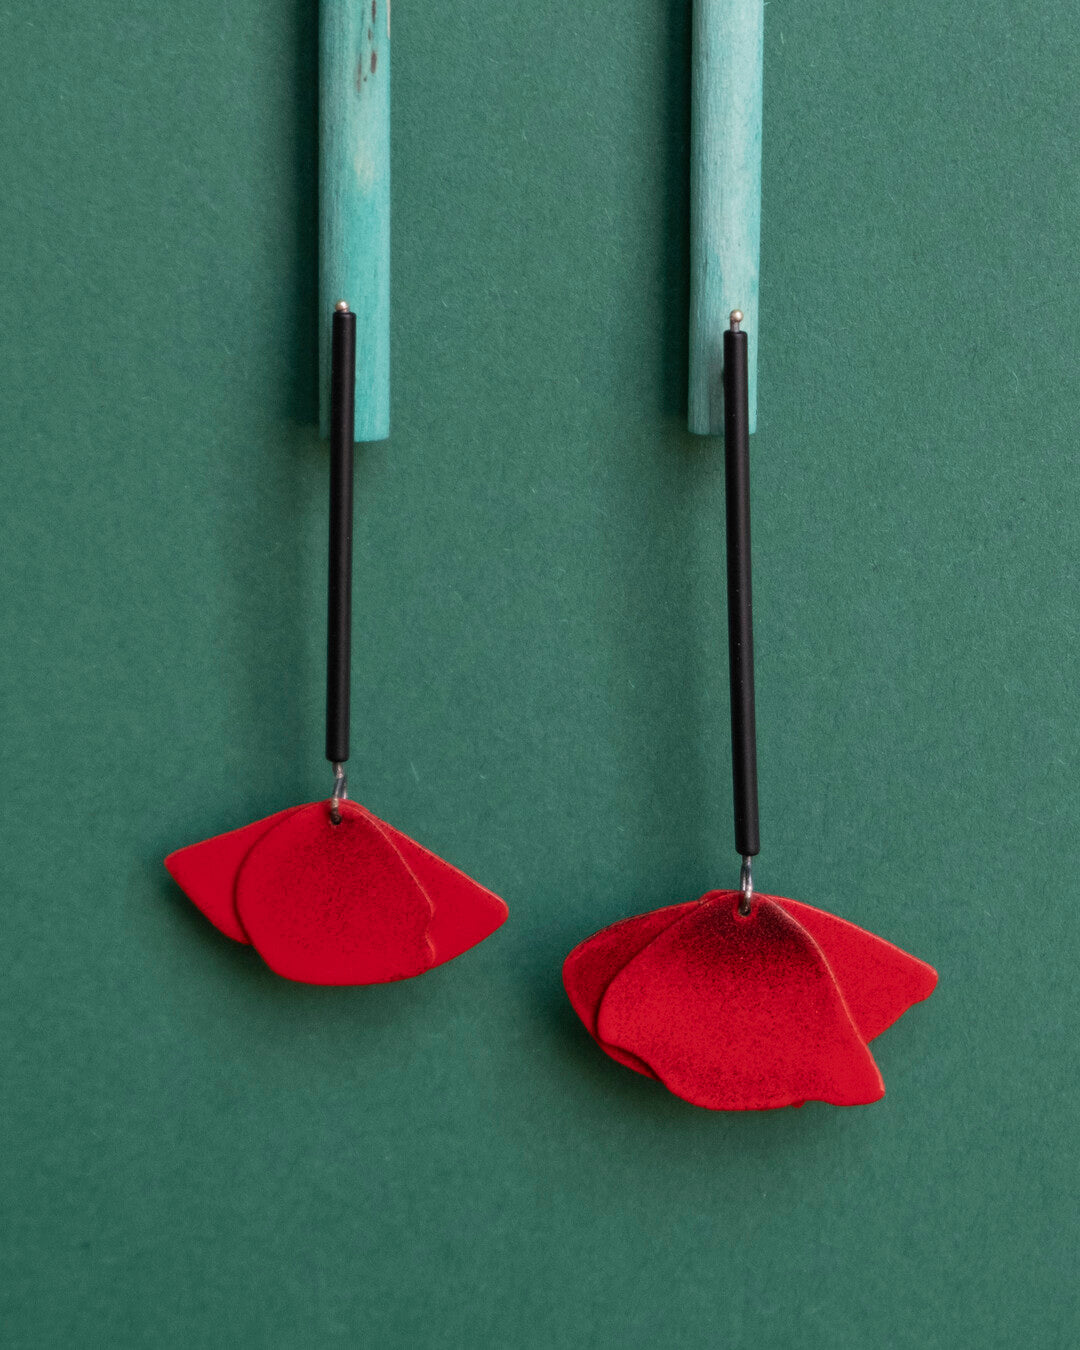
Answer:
(354, 199)
(725, 197)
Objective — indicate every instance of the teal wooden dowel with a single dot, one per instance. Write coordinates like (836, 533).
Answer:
(354, 199)
(725, 197)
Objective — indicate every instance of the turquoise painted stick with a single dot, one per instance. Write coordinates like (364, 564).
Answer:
(354, 199)
(725, 197)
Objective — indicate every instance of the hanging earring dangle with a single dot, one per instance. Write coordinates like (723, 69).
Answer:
(741, 1001)
(738, 1001)
(328, 893)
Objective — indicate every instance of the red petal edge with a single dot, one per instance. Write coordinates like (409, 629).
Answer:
(465, 913)
(206, 872)
(594, 963)
(879, 981)
(735, 1013)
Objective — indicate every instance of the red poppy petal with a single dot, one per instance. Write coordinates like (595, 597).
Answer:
(594, 963)
(464, 912)
(736, 1013)
(334, 904)
(879, 982)
(206, 872)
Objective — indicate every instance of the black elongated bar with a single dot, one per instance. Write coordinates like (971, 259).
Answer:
(339, 606)
(740, 603)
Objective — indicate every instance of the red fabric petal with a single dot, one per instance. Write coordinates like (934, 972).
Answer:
(594, 963)
(206, 872)
(464, 912)
(879, 982)
(736, 1013)
(334, 904)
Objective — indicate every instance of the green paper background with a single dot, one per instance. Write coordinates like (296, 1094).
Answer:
(196, 1153)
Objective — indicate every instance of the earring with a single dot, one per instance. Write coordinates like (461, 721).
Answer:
(741, 1001)
(327, 893)
(738, 1001)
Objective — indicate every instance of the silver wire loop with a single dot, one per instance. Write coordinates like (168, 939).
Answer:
(341, 793)
(746, 885)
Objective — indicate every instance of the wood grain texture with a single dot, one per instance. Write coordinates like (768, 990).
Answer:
(725, 197)
(354, 199)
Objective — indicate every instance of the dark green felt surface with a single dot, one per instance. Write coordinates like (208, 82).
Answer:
(196, 1153)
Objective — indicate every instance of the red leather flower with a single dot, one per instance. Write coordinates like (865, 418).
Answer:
(740, 1013)
(353, 903)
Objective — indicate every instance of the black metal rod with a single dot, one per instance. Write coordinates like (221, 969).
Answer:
(339, 607)
(740, 605)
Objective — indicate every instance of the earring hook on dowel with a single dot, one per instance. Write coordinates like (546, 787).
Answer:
(740, 603)
(339, 590)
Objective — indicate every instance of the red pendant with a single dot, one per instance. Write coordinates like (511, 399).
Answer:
(353, 903)
(745, 1013)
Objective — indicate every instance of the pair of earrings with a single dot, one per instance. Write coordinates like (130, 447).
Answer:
(736, 1001)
